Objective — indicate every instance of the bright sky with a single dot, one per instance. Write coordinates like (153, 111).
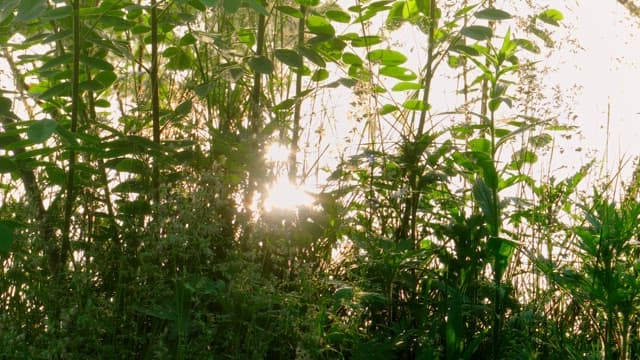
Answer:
(607, 71)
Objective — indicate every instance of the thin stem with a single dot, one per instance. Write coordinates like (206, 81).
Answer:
(155, 101)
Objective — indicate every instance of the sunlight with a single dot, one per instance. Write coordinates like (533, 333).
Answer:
(277, 153)
(284, 195)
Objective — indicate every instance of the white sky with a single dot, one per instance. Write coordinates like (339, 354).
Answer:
(608, 73)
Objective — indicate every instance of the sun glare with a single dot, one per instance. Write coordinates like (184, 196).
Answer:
(277, 152)
(284, 195)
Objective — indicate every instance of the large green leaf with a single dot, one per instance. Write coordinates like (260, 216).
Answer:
(320, 26)
(386, 57)
(338, 16)
(484, 198)
(261, 64)
(366, 41)
(7, 165)
(312, 55)
(289, 57)
(477, 32)
(398, 72)
(404, 86)
(41, 130)
(492, 14)
(30, 9)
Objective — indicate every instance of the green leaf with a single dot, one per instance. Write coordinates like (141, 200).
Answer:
(320, 75)
(187, 39)
(551, 17)
(140, 29)
(7, 165)
(134, 166)
(41, 130)
(131, 186)
(528, 45)
(338, 16)
(404, 86)
(91, 85)
(415, 104)
(410, 9)
(256, 6)
(398, 72)
(231, 6)
(291, 11)
(106, 78)
(312, 55)
(386, 57)
(57, 13)
(308, 2)
(56, 175)
(6, 238)
(246, 36)
(320, 26)
(477, 32)
(184, 108)
(387, 109)
(492, 14)
(210, 3)
(480, 145)
(30, 9)
(96, 63)
(261, 64)
(332, 49)
(55, 62)
(366, 41)
(289, 57)
(484, 197)
(351, 59)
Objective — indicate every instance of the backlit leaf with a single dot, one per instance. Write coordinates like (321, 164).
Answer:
(398, 72)
(404, 86)
(320, 26)
(414, 104)
(338, 16)
(551, 16)
(387, 109)
(386, 57)
(366, 41)
(320, 75)
(291, 11)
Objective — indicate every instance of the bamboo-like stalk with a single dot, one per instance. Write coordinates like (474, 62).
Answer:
(295, 131)
(65, 246)
(155, 103)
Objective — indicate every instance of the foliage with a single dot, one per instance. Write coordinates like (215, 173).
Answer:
(132, 218)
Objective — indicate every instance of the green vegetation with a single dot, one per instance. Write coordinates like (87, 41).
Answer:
(132, 157)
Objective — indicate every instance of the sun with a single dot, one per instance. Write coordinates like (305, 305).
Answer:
(282, 193)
